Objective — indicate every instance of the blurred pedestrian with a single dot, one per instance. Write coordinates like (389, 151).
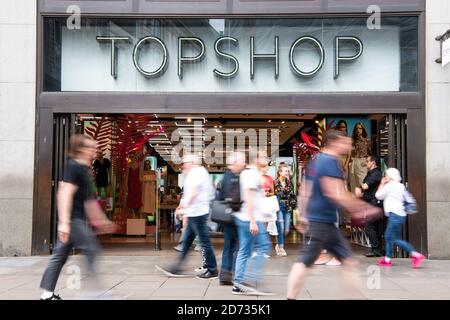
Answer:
(324, 194)
(198, 192)
(230, 191)
(75, 212)
(252, 232)
(392, 191)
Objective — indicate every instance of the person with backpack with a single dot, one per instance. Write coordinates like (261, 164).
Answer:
(230, 191)
(394, 194)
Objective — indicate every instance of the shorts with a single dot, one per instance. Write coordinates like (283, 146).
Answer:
(323, 236)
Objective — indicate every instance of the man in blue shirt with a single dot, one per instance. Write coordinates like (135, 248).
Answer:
(323, 196)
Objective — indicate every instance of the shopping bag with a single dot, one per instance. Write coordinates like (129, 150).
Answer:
(272, 228)
(269, 208)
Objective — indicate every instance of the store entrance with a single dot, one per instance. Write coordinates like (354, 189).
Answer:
(138, 178)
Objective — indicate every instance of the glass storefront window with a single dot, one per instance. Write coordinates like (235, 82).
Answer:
(231, 55)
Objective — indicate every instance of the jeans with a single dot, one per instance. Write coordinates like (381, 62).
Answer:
(229, 254)
(393, 234)
(197, 226)
(283, 225)
(249, 243)
(81, 237)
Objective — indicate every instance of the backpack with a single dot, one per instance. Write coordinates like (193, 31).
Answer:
(409, 202)
(232, 193)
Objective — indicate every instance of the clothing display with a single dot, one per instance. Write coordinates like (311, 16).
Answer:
(134, 199)
(358, 171)
(149, 192)
(101, 170)
(361, 148)
(358, 168)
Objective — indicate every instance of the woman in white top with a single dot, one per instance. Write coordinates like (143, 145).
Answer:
(392, 192)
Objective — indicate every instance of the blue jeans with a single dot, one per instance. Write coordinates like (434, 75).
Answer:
(393, 235)
(229, 254)
(197, 226)
(249, 243)
(283, 224)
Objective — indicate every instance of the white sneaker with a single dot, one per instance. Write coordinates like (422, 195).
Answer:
(200, 269)
(266, 256)
(283, 253)
(197, 248)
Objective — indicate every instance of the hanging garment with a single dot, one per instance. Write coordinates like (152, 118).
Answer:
(134, 199)
(149, 192)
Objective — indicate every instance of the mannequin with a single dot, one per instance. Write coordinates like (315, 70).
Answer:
(361, 150)
(148, 189)
(342, 126)
(102, 173)
(134, 198)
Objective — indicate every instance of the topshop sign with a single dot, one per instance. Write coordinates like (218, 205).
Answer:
(274, 56)
(262, 58)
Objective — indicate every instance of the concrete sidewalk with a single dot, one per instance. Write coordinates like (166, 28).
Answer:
(135, 277)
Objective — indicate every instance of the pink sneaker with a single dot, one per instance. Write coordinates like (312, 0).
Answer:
(384, 263)
(417, 261)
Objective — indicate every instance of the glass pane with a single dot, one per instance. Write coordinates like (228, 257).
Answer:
(314, 55)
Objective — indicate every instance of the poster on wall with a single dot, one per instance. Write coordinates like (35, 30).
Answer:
(349, 124)
(359, 129)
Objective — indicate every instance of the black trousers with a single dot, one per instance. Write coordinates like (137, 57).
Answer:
(81, 237)
(373, 232)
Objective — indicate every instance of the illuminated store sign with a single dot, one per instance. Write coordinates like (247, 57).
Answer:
(274, 56)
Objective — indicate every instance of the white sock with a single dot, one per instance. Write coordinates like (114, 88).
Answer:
(46, 294)
(387, 259)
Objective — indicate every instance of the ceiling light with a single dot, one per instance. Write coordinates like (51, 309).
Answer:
(269, 121)
(189, 120)
(283, 122)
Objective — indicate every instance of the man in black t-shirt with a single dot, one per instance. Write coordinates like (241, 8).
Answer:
(74, 229)
(367, 191)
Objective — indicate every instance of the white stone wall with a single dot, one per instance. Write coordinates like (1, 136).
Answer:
(17, 124)
(438, 133)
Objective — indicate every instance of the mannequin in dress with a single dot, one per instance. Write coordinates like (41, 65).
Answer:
(342, 126)
(102, 172)
(148, 189)
(360, 152)
(134, 197)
